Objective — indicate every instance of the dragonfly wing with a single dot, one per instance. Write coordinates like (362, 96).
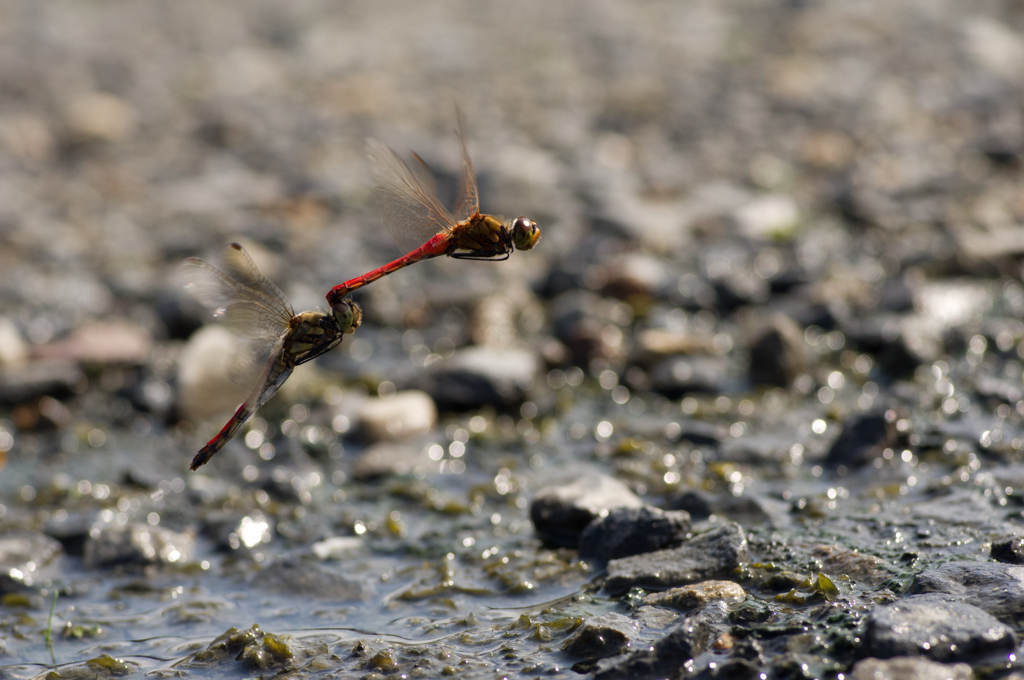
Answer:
(252, 311)
(406, 199)
(467, 199)
(241, 266)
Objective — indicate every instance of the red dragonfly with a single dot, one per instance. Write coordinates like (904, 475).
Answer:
(419, 223)
(278, 338)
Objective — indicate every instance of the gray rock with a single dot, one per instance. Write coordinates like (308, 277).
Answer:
(561, 513)
(23, 556)
(310, 579)
(680, 375)
(632, 531)
(655, 617)
(664, 658)
(600, 636)
(401, 416)
(381, 460)
(909, 668)
(708, 556)
(482, 376)
(114, 545)
(19, 384)
(996, 588)
(1010, 551)
(939, 627)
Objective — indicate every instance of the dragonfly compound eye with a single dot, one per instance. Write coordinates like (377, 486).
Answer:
(344, 314)
(525, 233)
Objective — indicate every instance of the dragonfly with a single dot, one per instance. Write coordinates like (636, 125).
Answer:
(418, 222)
(278, 338)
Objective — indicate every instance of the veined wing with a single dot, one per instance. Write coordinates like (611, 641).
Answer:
(250, 305)
(467, 198)
(406, 199)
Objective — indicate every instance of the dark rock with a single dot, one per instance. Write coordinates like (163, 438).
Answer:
(310, 579)
(561, 513)
(937, 626)
(708, 556)
(626, 531)
(779, 354)
(23, 557)
(900, 343)
(482, 376)
(909, 668)
(680, 375)
(996, 588)
(863, 439)
(1010, 551)
(737, 669)
(665, 656)
(600, 636)
(700, 504)
(115, 545)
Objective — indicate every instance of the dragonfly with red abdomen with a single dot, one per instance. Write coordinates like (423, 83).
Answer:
(419, 223)
(278, 338)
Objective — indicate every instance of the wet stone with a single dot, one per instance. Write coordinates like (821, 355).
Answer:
(629, 531)
(401, 416)
(384, 459)
(112, 545)
(1010, 551)
(909, 668)
(482, 376)
(310, 579)
(666, 656)
(561, 513)
(600, 636)
(239, 531)
(864, 438)
(655, 617)
(937, 626)
(996, 588)
(708, 556)
(23, 557)
(689, 597)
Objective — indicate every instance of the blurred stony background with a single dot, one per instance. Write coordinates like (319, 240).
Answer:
(778, 285)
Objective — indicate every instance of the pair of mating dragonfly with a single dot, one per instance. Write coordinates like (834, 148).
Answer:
(280, 339)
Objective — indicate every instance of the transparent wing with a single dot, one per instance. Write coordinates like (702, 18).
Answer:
(467, 198)
(406, 198)
(241, 266)
(250, 305)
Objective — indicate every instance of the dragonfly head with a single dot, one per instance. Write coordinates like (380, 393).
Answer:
(525, 233)
(348, 315)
